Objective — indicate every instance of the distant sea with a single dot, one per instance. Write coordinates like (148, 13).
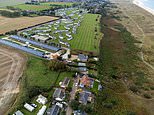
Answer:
(148, 3)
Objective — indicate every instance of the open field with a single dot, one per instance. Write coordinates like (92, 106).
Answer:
(42, 6)
(11, 69)
(4, 3)
(8, 24)
(85, 37)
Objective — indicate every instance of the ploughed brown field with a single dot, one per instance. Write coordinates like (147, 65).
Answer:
(8, 24)
(11, 68)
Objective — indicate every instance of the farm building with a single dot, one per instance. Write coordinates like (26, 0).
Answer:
(42, 100)
(65, 82)
(54, 110)
(29, 107)
(40, 38)
(59, 94)
(42, 110)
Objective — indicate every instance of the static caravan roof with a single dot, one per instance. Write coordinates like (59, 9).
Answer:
(29, 107)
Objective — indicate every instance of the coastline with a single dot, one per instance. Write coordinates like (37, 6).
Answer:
(141, 5)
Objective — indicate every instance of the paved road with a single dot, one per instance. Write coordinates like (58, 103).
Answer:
(72, 97)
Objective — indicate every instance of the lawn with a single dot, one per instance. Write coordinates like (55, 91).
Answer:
(32, 7)
(58, 3)
(85, 37)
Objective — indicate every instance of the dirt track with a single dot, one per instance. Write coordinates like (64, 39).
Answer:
(11, 69)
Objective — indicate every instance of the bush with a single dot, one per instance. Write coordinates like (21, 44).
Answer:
(147, 96)
(56, 65)
(108, 105)
(131, 113)
(74, 104)
(133, 88)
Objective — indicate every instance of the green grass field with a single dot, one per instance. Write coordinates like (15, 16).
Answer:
(42, 6)
(57, 3)
(32, 7)
(85, 37)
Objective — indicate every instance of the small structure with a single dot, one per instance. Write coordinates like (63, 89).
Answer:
(84, 97)
(42, 110)
(42, 100)
(29, 107)
(82, 57)
(40, 38)
(59, 94)
(54, 110)
(66, 55)
(65, 82)
(18, 113)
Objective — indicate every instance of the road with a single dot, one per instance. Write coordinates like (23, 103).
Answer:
(72, 95)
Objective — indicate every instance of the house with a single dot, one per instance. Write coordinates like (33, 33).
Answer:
(18, 113)
(54, 110)
(42, 110)
(29, 107)
(65, 82)
(40, 38)
(59, 94)
(84, 97)
(42, 100)
(82, 57)
(86, 81)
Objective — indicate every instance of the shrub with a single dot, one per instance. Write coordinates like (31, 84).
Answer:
(133, 88)
(147, 96)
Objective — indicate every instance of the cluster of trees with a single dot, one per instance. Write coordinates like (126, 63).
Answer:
(11, 14)
(84, 108)
(56, 65)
